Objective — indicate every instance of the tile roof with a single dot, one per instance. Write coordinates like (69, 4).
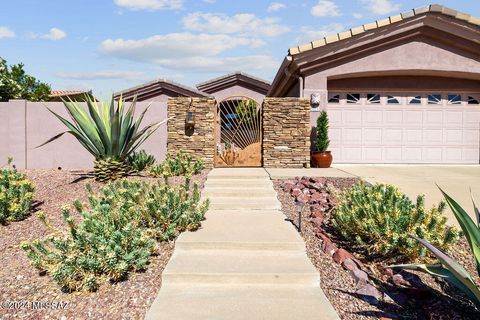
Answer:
(63, 93)
(216, 84)
(434, 8)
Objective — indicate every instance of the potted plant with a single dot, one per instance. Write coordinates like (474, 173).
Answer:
(321, 158)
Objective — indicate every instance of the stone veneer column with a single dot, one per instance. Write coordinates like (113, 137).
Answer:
(286, 133)
(200, 142)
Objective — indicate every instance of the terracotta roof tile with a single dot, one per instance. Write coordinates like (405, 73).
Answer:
(384, 22)
(62, 93)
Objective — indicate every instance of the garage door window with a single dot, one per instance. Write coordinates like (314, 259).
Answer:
(392, 100)
(415, 100)
(473, 100)
(434, 99)
(454, 99)
(373, 98)
(334, 99)
(353, 98)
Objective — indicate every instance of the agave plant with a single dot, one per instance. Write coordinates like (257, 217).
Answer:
(446, 267)
(108, 131)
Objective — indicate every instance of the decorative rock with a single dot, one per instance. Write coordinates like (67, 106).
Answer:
(316, 186)
(370, 294)
(316, 196)
(360, 277)
(341, 255)
(396, 297)
(388, 272)
(302, 198)
(318, 222)
(327, 245)
(296, 192)
(317, 213)
(299, 186)
(287, 187)
(398, 280)
(349, 264)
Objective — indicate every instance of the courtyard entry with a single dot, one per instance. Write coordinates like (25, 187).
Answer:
(238, 133)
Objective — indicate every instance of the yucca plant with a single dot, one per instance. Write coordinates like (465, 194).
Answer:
(108, 131)
(446, 267)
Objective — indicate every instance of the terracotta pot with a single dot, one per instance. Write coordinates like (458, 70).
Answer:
(322, 159)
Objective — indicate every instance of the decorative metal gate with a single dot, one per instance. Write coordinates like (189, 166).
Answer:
(239, 133)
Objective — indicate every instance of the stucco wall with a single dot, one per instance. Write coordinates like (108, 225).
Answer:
(237, 90)
(416, 57)
(25, 125)
(286, 133)
(200, 142)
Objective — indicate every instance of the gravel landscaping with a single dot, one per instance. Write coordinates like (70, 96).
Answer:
(411, 295)
(37, 296)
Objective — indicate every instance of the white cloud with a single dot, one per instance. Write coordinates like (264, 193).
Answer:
(103, 74)
(310, 34)
(325, 8)
(149, 4)
(6, 32)
(381, 6)
(187, 51)
(54, 34)
(243, 23)
(275, 6)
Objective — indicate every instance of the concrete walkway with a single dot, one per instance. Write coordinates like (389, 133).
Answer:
(246, 262)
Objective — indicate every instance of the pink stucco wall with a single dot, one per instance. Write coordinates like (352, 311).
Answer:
(416, 57)
(25, 125)
(238, 90)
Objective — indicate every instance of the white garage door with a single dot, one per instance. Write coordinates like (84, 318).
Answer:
(404, 128)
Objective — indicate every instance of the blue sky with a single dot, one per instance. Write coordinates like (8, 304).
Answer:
(110, 45)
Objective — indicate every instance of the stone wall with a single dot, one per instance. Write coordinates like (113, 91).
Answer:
(286, 133)
(201, 141)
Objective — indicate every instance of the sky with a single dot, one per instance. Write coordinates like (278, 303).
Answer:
(110, 45)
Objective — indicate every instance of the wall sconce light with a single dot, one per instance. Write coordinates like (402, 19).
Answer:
(190, 120)
(315, 100)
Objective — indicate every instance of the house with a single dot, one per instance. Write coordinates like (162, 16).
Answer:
(404, 89)
(76, 95)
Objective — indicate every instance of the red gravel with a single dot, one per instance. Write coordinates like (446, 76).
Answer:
(21, 283)
(446, 302)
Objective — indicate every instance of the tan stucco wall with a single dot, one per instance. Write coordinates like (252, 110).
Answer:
(25, 125)
(237, 90)
(410, 58)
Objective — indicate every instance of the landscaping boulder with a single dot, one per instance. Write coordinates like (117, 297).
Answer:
(349, 264)
(360, 277)
(370, 294)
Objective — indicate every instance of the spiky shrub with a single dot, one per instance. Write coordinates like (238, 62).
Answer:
(16, 194)
(179, 165)
(380, 217)
(141, 160)
(109, 132)
(321, 141)
(445, 267)
(117, 234)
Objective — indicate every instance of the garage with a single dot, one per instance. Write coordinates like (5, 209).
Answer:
(415, 127)
(404, 89)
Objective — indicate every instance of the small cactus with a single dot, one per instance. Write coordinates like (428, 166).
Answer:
(380, 217)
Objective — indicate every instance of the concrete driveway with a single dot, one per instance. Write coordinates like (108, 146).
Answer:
(416, 179)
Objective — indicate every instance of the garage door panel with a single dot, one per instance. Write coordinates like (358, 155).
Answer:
(413, 118)
(393, 117)
(382, 133)
(352, 135)
(412, 154)
(433, 155)
(372, 136)
(412, 136)
(432, 137)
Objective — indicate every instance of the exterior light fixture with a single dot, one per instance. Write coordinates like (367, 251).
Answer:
(315, 100)
(190, 117)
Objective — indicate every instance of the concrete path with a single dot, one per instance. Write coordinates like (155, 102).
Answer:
(416, 179)
(246, 262)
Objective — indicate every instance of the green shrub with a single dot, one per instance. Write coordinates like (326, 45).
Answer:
(140, 160)
(117, 234)
(16, 195)
(380, 217)
(321, 141)
(181, 164)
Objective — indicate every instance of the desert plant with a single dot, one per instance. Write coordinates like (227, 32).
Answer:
(16, 194)
(117, 234)
(321, 141)
(379, 218)
(109, 132)
(140, 161)
(446, 267)
(180, 164)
